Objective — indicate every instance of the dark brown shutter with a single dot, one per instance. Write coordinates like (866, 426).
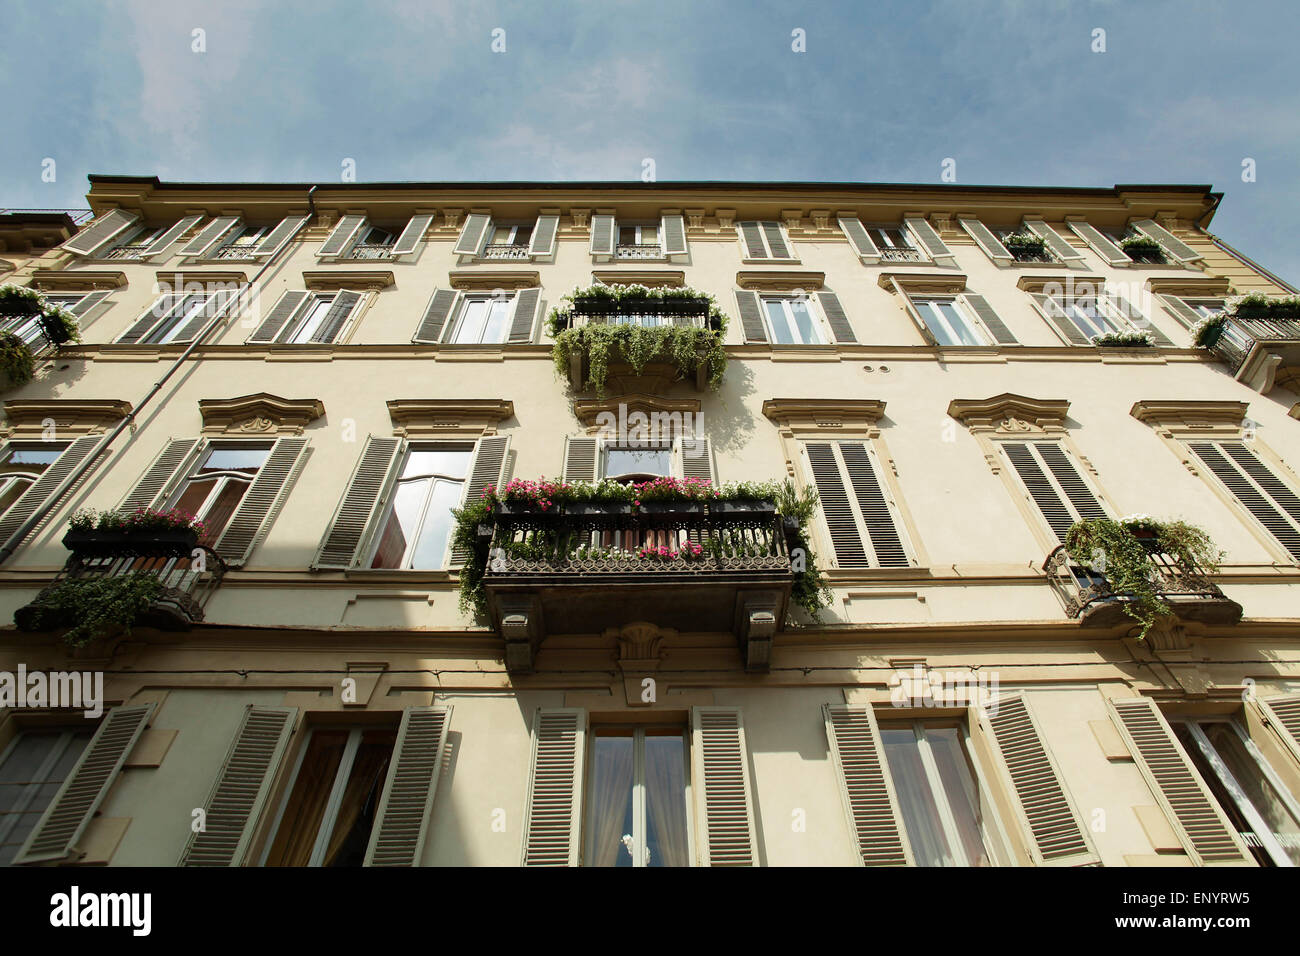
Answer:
(875, 507)
(839, 322)
(276, 320)
(845, 538)
(776, 241)
(992, 321)
(751, 233)
(1053, 312)
(525, 315)
(1070, 481)
(341, 236)
(99, 233)
(1040, 489)
(751, 316)
(340, 310)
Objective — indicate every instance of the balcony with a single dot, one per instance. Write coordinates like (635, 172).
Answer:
(1087, 595)
(642, 250)
(901, 254)
(371, 250)
(601, 566)
(242, 251)
(504, 250)
(128, 252)
(1262, 352)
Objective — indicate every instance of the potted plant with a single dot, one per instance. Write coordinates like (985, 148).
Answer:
(59, 325)
(16, 361)
(92, 608)
(1142, 248)
(1207, 332)
(1131, 339)
(1257, 305)
(142, 531)
(1026, 246)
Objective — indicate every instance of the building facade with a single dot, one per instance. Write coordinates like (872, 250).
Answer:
(324, 372)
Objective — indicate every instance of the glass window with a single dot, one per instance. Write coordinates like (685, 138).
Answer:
(217, 486)
(1091, 316)
(318, 306)
(636, 806)
(418, 526)
(20, 465)
(888, 237)
(174, 312)
(247, 237)
(638, 462)
(32, 769)
(512, 235)
(949, 323)
(791, 322)
(483, 320)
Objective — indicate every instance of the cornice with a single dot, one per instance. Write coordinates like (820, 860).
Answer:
(1190, 285)
(467, 417)
(803, 415)
(204, 278)
(656, 409)
(1010, 412)
(366, 280)
(1191, 418)
(495, 279)
(780, 280)
(1068, 283)
(27, 418)
(261, 413)
(51, 279)
(908, 282)
(651, 278)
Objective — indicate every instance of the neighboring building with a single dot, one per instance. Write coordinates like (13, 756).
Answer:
(968, 697)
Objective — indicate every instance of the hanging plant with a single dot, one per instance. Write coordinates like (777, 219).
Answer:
(1207, 332)
(57, 323)
(16, 361)
(92, 607)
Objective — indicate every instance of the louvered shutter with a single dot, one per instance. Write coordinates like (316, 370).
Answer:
(992, 321)
(209, 236)
(860, 240)
(487, 468)
(345, 305)
(275, 240)
(1283, 712)
(341, 236)
(1205, 831)
(1056, 834)
(87, 302)
(843, 528)
(242, 788)
(524, 319)
(278, 318)
(1055, 242)
(164, 242)
(1264, 477)
(866, 786)
(1134, 317)
(929, 238)
(697, 458)
(1187, 316)
(1176, 248)
(835, 317)
(261, 502)
(751, 316)
(1100, 243)
(412, 235)
(554, 815)
(720, 779)
(402, 819)
(41, 491)
(56, 834)
(672, 232)
(1040, 489)
(870, 494)
(215, 306)
(580, 459)
(164, 474)
(776, 241)
(542, 243)
(751, 234)
(1053, 312)
(473, 235)
(986, 240)
(366, 494)
(101, 232)
(1264, 510)
(163, 306)
(603, 235)
(1071, 482)
(435, 315)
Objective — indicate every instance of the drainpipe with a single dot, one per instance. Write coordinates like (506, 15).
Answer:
(26, 528)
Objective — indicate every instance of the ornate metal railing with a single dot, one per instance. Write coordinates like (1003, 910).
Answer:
(504, 250)
(901, 254)
(78, 215)
(136, 251)
(1080, 587)
(642, 250)
(233, 252)
(371, 250)
(1241, 334)
(688, 312)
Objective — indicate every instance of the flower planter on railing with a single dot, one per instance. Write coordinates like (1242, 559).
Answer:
(175, 542)
(741, 508)
(586, 509)
(647, 306)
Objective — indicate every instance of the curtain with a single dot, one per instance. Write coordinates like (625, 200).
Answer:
(356, 816)
(665, 783)
(611, 792)
(920, 814)
(302, 817)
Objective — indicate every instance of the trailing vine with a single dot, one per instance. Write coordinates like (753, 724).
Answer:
(16, 359)
(97, 606)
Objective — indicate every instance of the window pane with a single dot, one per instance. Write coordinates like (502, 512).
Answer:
(450, 462)
(804, 322)
(356, 814)
(220, 509)
(495, 328)
(637, 461)
(665, 789)
(402, 523)
(609, 814)
(315, 316)
(306, 807)
(234, 458)
(776, 318)
(473, 319)
(28, 781)
(431, 549)
(915, 799)
(1260, 792)
(523, 235)
(30, 460)
(935, 322)
(959, 787)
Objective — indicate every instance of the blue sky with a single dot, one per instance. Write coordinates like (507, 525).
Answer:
(412, 90)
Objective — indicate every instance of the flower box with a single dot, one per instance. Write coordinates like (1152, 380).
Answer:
(741, 507)
(55, 331)
(667, 511)
(597, 508)
(647, 306)
(169, 542)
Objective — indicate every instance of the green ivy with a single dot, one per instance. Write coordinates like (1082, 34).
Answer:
(100, 606)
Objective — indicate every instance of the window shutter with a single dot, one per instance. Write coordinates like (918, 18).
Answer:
(1101, 244)
(1134, 317)
(867, 488)
(992, 321)
(845, 538)
(602, 235)
(366, 494)
(487, 468)
(1039, 488)
(341, 236)
(431, 325)
(1187, 316)
(1085, 503)
(1056, 833)
(1171, 243)
(1053, 312)
(473, 235)
(345, 305)
(164, 242)
(865, 785)
(209, 236)
(672, 230)
(41, 491)
(402, 819)
(543, 242)
(56, 834)
(986, 240)
(751, 234)
(275, 240)
(580, 459)
(1283, 713)
(242, 787)
(1261, 508)
(100, 232)
(527, 302)
(279, 317)
(412, 235)
(776, 241)
(929, 238)
(554, 816)
(213, 307)
(751, 316)
(88, 302)
(860, 240)
(1055, 241)
(261, 502)
(151, 317)
(1206, 833)
(697, 459)
(720, 779)
(839, 322)
(164, 474)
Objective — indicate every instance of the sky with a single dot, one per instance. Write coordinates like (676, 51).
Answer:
(1021, 92)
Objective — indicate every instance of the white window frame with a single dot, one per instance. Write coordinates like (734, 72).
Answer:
(361, 237)
(818, 320)
(436, 477)
(462, 308)
(143, 235)
(671, 445)
(221, 479)
(885, 243)
(1105, 309)
(65, 737)
(639, 240)
(242, 235)
(924, 305)
(179, 323)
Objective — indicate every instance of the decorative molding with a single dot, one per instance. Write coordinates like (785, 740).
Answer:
(261, 413)
(51, 279)
(1069, 284)
(580, 217)
(640, 644)
(1192, 418)
(782, 280)
(451, 218)
(656, 410)
(726, 218)
(821, 218)
(651, 278)
(27, 418)
(1190, 285)
(200, 279)
(802, 416)
(365, 280)
(793, 219)
(499, 279)
(695, 218)
(909, 282)
(467, 417)
(1010, 413)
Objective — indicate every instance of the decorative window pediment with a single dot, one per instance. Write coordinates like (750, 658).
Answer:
(1072, 285)
(907, 283)
(509, 280)
(811, 417)
(1010, 413)
(1193, 286)
(465, 417)
(201, 279)
(662, 417)
(784, 280)
(50, 280)
(1177, 419)
(650, 278)
(358, 280)
(259, 414)
(31, 419)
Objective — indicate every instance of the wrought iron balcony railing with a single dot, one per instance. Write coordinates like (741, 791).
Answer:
(504, 250)
(371, 250)
(901, 254)
(1241, 335)
(642, 250)
(237, 251)
(688, 312)
(127, 252)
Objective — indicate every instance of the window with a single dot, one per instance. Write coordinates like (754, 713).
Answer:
(242, 243)
(1149, 252)
(508, 241)
(1023, 253)
(791, 322)
(20, 466)
(483, 319)
(28, 328)
(32, 768)
(1054, 484)
(637, 798)
(638, 242)
(175, 317)
(859, 512)
(134, 243)
(372, 243)
(764, 240)
(1091, 317)
(1259, 805)
(1257, 489)
(895, 244)
(638, 463)
(418, 525)
(1207, 308)
(949, 322)
(215, 488)
(947, 812)
(320, 320)
(331, 808)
